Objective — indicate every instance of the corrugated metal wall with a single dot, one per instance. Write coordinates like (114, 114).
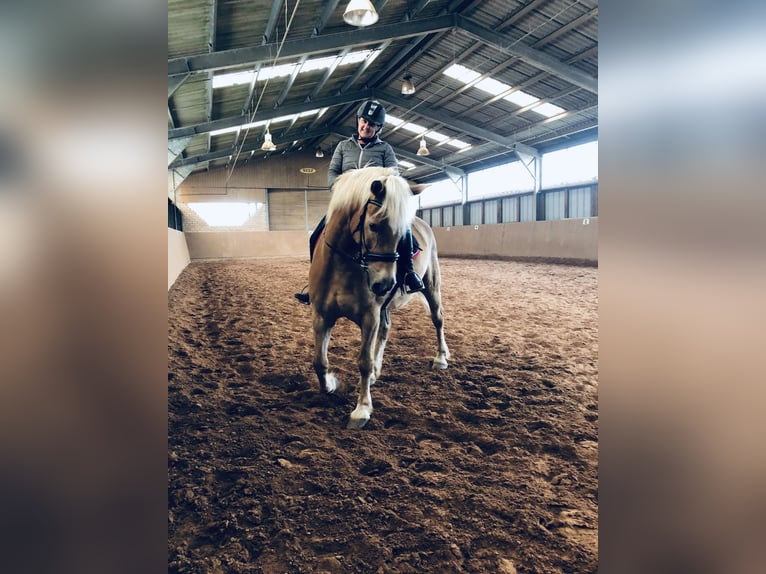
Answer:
(490, 211)
(580, 202)
(555, 202)
(563, 203)
(527, 208)
(292, 210)
(510, 207)
(448, 216)
(475, 213)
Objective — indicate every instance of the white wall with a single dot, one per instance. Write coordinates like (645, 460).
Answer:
(178, 255)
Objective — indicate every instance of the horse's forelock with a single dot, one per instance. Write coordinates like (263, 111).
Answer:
(352, 190)
(396, 205)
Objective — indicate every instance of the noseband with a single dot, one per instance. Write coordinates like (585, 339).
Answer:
(363, 257)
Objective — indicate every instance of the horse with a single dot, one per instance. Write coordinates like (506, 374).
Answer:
(354, 274)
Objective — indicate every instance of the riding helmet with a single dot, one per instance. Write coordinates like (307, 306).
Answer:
(372, 111)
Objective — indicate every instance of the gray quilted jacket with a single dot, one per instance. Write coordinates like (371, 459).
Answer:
(349, 154)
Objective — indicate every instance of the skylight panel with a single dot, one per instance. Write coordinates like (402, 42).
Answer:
(252, 125)
(393, 120)
(461, 73)
(318, 64)
(492, 86)
(283, 70)
(437, 136)
(521, 98)
(233, 79)
(459, 144)
(406, 164)
(495, 87)
(235, 128)
(414, 128)
(548, 110)
(359, 56)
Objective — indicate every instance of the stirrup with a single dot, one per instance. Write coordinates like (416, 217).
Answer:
(303, 298)
(413, 283)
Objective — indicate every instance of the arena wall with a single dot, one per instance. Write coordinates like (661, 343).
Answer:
(564, 240)
(287, 203)
(567, 240)
(178, 255)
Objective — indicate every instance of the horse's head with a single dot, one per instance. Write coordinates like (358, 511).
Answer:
(374, 204)
(387, 215)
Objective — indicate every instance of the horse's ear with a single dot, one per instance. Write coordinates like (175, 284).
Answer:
(418, 188)
(377, 188)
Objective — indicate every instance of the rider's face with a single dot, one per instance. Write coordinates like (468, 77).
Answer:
(366, 129)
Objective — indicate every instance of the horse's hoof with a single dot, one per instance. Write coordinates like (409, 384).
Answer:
(358, 419)
(436, 365)
(357, 423)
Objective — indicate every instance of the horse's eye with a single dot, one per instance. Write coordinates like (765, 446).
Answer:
(374, 227)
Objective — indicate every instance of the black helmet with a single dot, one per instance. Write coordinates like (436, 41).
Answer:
(372, 111)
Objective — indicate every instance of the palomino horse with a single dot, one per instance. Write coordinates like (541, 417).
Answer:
(353, 273)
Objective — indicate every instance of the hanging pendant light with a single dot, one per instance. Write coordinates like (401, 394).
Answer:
(423, 150)
(268, 145)
(408, 88)
(319, 152)
(360, 13)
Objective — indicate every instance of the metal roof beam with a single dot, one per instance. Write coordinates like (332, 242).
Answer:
(175, 147)
(277, 138)
(175, 81)
(276, 8)
(460, 125)
(534, 57)
(566, 28)
(400, 153)
(326, 43)
(327, 10)
(176, 176)
(270, 114)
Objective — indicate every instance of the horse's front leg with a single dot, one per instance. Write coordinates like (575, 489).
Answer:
(361, 414)
(380, 346)
(322, 330)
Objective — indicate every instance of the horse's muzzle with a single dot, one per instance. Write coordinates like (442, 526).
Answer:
(380, 288)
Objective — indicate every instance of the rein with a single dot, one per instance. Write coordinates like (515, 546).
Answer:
(363, 257)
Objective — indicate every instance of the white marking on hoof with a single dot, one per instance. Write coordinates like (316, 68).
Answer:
(359, 417)
(330, 383)
(439, 363)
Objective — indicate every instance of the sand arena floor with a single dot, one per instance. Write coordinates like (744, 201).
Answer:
(488, 466)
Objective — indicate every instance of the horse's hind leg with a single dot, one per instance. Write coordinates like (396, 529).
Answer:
(434, 298)
(322, 329)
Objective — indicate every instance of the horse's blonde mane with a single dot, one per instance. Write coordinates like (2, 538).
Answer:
(352, 190)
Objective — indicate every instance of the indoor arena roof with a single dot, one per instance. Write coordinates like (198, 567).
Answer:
(494, 80)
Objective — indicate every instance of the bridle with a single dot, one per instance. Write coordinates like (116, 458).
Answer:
(363, 257)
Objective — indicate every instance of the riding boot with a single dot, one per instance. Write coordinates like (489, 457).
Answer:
(304, 297)
(412, 281)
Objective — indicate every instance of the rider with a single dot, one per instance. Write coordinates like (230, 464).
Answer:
(364, 149)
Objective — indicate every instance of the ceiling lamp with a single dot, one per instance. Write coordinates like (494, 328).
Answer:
(360, 13)
(268, 145)
(319, 152)
(408, 88)
(423, 150)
